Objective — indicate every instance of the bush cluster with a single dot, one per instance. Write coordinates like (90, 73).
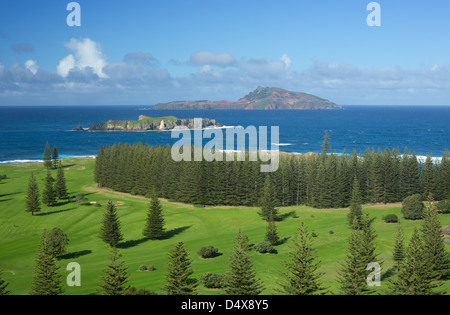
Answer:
(412, 207)
(212, 280)
(390, 218)
(208, 251)
(264, 247)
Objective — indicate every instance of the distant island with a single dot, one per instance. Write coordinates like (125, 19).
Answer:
(269, 98)
(146, 123)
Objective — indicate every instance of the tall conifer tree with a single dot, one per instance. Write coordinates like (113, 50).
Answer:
(414, 277)
(110, 231)
(352, 275)
(302, 276)
(32, 199)
(60, 185)
(434, 246)
(55, 156)
(399, 249)
(115, 278)
(268, 201)
(49, 193)
(46, 280)
(355, 210)
(241, 277)
(154, 228)
(47, 157)
(179, 272)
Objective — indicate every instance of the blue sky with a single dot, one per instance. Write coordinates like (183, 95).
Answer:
(144, 52)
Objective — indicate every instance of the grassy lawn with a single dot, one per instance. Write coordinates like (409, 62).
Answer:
(196, 227)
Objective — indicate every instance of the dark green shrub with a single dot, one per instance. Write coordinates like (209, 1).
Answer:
(264, 247)
(443, 206)
(143, 268)
(412, 207)
(208, 251)
(151, 268)
(212, 280)
(390, 218)
(330, 232)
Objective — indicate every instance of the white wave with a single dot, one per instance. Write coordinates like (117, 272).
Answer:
(41, 161)
(422, 159)
(282, 144)
(21, 161)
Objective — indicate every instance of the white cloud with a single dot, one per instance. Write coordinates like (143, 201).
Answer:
(32, 66)
(65, 65)
(86, 54)
(207, 58)
(263, 68)
(287, 61)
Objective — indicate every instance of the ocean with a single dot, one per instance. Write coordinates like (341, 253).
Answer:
(24, 130)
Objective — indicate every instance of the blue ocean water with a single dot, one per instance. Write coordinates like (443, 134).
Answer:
(424, 129)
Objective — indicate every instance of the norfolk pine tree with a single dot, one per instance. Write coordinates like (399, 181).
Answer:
(47, 157)
(49, 193)
(268, 201)
(302, 276)
(434, 246)
(399, 249)
(110, 231)
(60, 185)
(32, 199)
(46, 280)
(352, 275)
(355, 205)
(414, 276)
(271, 233)
(241, 277)
(154, 228)
(55, 157)
(179, 272)
(115, 276)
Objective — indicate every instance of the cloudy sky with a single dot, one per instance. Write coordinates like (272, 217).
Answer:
(143, 52)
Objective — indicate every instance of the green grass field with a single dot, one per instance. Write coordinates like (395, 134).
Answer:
(196, 227)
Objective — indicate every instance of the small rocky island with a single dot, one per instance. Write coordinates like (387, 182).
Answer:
(146, 123)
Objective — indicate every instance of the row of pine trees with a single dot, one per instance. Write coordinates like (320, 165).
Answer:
(321, 180)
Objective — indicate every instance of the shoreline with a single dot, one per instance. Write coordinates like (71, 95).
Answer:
(30, 161)
(420, 158)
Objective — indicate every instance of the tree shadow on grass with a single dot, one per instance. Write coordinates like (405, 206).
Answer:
(67, 165)
(53, 212)
(283, 216)
(75, 254)
(172, 233)
(132, 243)
(7, 195)
(281, 241)
(389, 273)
